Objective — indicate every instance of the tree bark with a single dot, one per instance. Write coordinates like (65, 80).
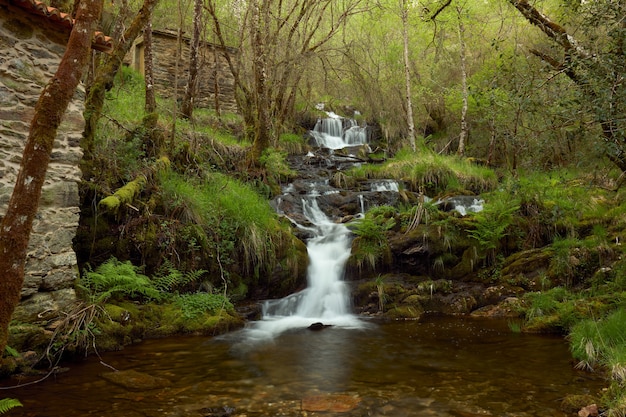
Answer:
(260, 16)
(194, 52)
(594, 79)
(17, 223)
(103, 82)
(464, 130)
(150, 106)
(404, 14)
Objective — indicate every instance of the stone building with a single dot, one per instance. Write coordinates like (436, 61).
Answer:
(33, 37)
(214, 76)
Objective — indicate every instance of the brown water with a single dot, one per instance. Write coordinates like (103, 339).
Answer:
(439, 366)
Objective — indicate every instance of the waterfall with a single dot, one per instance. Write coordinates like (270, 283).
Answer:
(335, 132)
(326, 298)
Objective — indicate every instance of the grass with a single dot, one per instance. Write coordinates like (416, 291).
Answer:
(431, 172)
(233, 215)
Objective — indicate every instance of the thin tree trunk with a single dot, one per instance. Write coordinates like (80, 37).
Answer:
(216, 84)
(103, 82)
(404, 13)
(262, 126)
(190, 89)
(464, 130)
(17, 223)
(150, 106)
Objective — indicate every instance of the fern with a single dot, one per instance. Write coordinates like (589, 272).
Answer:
(7, 404)
(115, 279)
(169, 278)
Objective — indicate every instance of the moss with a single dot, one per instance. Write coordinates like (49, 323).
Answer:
(124, 195)
(405, 312)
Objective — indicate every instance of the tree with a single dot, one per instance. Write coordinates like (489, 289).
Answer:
(150, 105)
(464, 130)
(106, 71)
(404, 14)
(194, 53)
(17, 223)
(278, 42)
(599, 73)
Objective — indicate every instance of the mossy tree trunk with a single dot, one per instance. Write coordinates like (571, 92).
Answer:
(17, 223)
(103, 82)
(194, 64)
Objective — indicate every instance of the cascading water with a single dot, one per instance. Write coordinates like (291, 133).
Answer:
(335, 132)
(326, 299)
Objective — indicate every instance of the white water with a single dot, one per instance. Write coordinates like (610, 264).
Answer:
(326, 299)
(335, 132)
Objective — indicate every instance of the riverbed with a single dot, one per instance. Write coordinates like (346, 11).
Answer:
(437, 366)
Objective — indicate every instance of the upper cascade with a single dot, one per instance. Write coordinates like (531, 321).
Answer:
(336, 132)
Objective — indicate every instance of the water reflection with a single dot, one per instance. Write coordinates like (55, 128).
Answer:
(436, 367)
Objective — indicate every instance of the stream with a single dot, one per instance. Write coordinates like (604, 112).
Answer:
(347, 366)
(437, 366)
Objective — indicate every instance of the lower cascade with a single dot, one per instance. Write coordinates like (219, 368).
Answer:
(325, 302)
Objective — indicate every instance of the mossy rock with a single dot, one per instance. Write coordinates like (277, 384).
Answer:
(405, 312)
(544, 324)
(529, 264)
(24, 337)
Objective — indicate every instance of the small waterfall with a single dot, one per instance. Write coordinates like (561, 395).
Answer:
(335, 132)
(326, 299)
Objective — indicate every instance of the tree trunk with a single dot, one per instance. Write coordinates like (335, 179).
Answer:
(261, 103)
(190, 90)
(103, 81)
(17, 223)
(404, 13)
(464, 131)
(150, 106)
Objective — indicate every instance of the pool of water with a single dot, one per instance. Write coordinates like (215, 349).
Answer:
(438, 366)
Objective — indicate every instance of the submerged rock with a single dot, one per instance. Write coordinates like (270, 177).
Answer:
(333, 403)
(136, 381)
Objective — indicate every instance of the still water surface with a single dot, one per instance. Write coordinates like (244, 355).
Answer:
(439, 366)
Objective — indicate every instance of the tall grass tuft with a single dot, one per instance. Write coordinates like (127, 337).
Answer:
(432, 172)
(602, 343)
(239, 223)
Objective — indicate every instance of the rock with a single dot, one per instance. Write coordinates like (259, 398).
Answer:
(318, 326)
(136, 381)
(589, 411)
(333, 403)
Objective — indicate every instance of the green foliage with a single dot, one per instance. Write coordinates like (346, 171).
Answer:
(292, 143)
(426, 170)
(491, 224)
(602, 343)
(115, 280)
(196, 304)
(7, 404)
(169, 279)
(546, 302)
(276, 166)
(371, 245)
(238, 223)
(11, 351)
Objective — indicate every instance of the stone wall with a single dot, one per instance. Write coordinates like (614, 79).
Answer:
(30, 50)
(214, 75)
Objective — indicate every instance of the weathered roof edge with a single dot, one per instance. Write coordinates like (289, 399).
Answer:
(101, 42)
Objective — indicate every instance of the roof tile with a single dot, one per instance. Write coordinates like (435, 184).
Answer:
(101, 42)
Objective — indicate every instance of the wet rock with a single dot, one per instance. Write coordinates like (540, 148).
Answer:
(136, 381)
(217, 412)
(318, 326)
(333, 403)
(589, 411)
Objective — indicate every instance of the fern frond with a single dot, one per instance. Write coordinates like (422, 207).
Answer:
(169, 278)
(7, 404)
